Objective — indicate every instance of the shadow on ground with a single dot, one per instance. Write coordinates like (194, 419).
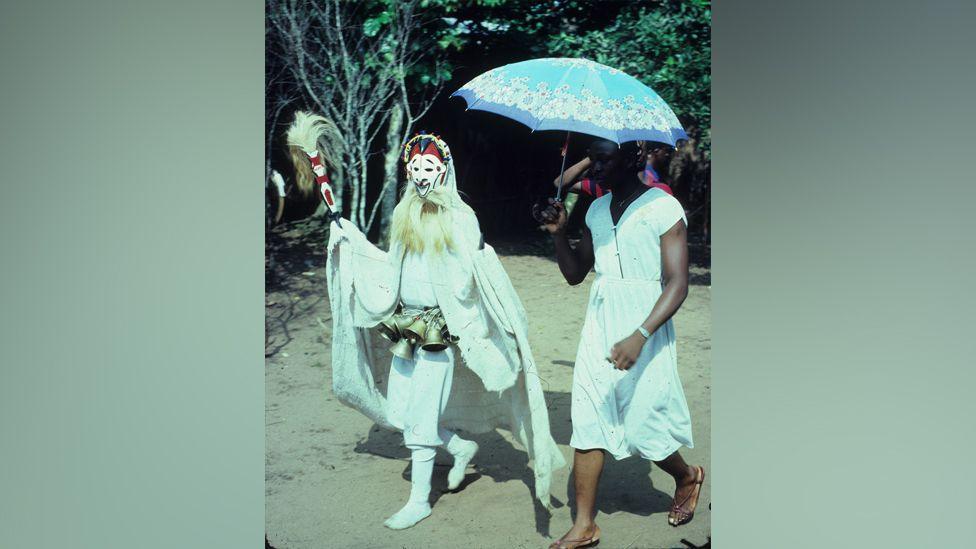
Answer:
(497, 460)
(624, 487)
(292, 250)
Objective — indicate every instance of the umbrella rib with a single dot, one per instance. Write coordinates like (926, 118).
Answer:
(561, 81)
(605, 93)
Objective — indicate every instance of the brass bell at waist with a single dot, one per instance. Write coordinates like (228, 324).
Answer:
(403, 349)
(402, 321)
(416, 330)
(434, 338)
(389, 330)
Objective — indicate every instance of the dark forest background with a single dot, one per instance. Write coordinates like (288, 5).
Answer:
(408, 57)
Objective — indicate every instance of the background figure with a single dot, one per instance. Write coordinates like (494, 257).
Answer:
(704, 191)
(657, 165)
(576, 180)
(275, 197)
(658, 159)
(274, 206)
(687, 172)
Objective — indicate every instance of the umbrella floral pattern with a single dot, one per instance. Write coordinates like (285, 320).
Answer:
(577, 95)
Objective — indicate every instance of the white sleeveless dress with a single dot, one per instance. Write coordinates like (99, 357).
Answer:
(642, 410)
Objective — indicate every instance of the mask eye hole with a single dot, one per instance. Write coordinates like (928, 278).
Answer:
(429, 169)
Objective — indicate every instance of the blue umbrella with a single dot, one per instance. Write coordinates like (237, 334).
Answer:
(574, 95)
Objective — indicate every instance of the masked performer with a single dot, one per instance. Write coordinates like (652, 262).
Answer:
(461, 354)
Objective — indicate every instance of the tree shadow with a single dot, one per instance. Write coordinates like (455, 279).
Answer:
(296, 249)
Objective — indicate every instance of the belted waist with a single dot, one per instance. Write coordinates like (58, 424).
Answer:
(432, 312)
(633, 280)
(430, 316)
(602, 282)
(412, 327)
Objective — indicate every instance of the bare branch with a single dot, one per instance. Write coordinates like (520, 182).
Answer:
(322, 56)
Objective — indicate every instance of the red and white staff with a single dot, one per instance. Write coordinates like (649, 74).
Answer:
(304, 134)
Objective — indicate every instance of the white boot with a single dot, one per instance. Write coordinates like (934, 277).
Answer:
(463, 451)
(408, 515)
(418, 507)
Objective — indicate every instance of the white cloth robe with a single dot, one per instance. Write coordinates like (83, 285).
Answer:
(496, 384)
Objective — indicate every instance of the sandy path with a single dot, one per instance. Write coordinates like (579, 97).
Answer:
(331, 478)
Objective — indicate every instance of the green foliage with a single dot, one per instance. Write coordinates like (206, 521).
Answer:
(439, 37)
(667, 46)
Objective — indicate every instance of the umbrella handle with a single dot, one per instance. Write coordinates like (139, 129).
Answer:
(562, 171)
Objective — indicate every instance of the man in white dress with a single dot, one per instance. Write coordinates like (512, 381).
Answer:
(441, 294)
(627, 398)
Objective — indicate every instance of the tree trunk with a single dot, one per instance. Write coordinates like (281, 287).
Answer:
(339, 186)
(356, 179)
(391, 162)
(363, 181)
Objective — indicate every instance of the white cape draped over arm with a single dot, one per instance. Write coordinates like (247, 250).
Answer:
(498, 385)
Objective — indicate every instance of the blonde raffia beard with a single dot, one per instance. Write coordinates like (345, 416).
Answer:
(424, 224)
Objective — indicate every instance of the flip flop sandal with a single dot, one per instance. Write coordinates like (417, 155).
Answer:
(591, 541)
(678, 512)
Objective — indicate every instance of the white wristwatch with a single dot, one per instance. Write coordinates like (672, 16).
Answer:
(644, 332)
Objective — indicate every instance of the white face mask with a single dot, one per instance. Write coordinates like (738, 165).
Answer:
(426, 171)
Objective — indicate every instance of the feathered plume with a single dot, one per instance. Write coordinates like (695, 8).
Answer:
(311, 132)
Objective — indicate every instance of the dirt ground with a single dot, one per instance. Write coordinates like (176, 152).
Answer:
(332, 478)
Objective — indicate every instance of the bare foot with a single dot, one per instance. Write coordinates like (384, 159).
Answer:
(686, 494)
(578, 536)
